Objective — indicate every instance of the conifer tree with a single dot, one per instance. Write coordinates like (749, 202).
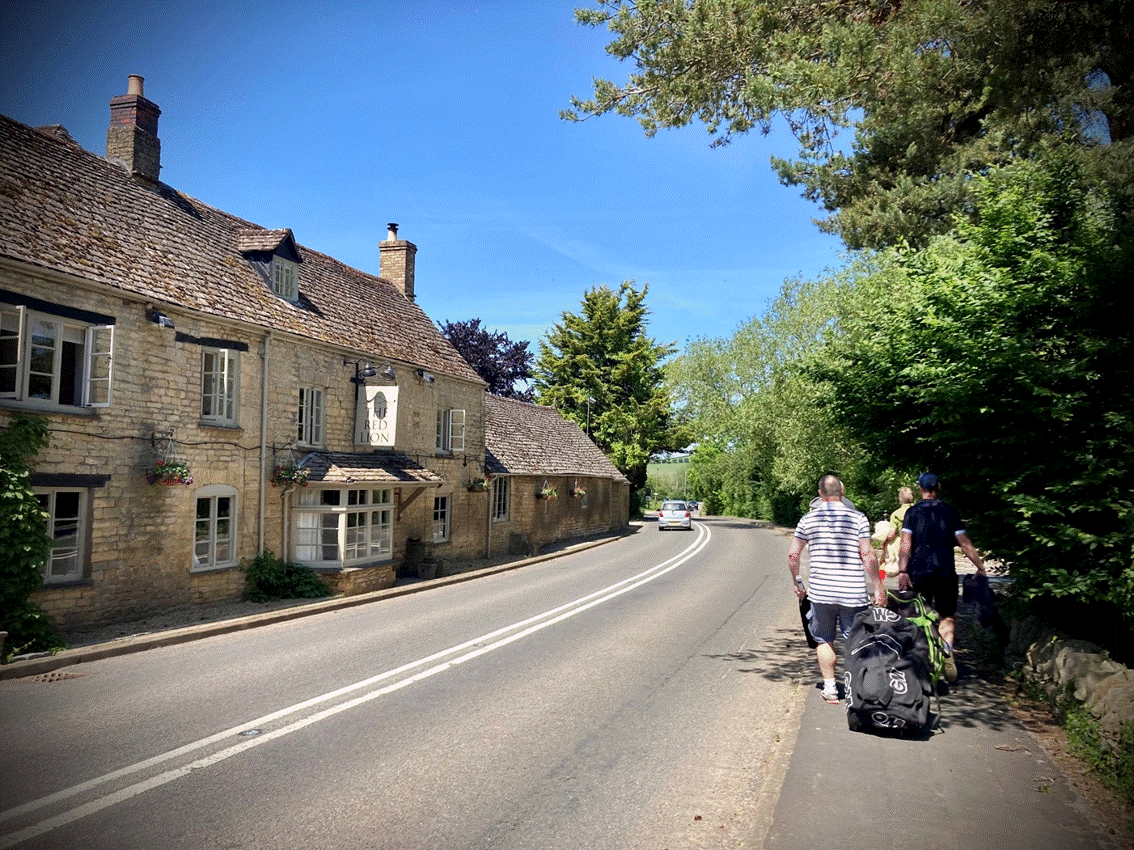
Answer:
(599, 368)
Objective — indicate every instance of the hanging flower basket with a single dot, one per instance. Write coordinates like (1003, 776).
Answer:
(169, 472)
(476, 485)
(578, 492)
(289, 475)
(547, 493)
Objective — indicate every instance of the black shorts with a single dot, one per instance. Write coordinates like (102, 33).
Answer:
(939, 591)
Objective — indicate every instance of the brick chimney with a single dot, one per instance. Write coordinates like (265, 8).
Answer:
(132, 140)
(396, 260)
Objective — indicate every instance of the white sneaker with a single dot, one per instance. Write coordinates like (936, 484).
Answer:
(831, 696)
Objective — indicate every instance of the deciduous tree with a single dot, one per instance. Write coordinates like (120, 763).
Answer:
(934, 90)
(505, 366)
(1000, 364)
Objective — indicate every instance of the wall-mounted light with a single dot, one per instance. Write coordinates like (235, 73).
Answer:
(361, 372)
(158, 317)
(425, 376)
(388, 372)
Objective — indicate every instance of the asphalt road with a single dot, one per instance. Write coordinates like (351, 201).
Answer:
(642, 693)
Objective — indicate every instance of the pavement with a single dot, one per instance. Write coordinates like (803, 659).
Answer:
(980, 781)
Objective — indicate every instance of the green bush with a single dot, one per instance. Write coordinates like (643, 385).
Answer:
(268, 577)
(24, 542)
(29, 630)
(1115, 767)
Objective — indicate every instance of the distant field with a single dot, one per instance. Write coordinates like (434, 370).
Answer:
(668, 478)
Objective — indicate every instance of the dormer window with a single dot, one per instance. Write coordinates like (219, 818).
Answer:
(275, 257)
(284, 278)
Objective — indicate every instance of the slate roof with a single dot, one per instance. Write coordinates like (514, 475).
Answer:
(67, 209)
(382, 467)
(530, 439)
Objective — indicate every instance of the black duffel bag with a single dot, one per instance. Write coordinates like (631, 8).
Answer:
(887, 674)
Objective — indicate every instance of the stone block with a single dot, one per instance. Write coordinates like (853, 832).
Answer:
(1082, 665)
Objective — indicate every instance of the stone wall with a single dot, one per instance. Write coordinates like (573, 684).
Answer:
(539, 522)
(1061, 664)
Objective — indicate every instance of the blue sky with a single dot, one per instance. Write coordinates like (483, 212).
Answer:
(334, 118)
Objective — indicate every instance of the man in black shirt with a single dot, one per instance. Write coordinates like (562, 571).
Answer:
(930, 530)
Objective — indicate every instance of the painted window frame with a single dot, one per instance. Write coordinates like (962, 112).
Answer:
(83, 379)
(72, 528)
(500, 499)
(220, 387)
(450, 430)
(442, 515)
(285, 278)
(311, 424)
(356, 526)
(220, 536)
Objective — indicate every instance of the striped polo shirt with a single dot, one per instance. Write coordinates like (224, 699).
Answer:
(832, 532)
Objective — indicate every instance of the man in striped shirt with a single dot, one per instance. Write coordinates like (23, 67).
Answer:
(841, 555)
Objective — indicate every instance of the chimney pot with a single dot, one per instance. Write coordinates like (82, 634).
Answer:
(134, 87)
(392, 231)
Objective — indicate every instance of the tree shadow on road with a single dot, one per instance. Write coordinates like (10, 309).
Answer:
(978, 699)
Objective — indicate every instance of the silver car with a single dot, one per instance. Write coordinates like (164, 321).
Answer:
(674, 515)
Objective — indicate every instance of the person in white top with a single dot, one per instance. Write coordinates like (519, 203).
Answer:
(838, 538)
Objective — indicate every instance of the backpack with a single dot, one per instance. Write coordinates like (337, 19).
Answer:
(911, 605)
(887, 676)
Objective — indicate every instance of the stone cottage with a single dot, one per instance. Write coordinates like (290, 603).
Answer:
(549, 480)
(214, 390)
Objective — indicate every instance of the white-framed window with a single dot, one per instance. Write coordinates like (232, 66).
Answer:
(343, 527)
(214, 530)
(52, 360)
(499, 499)
(312, 416)
(440, 519)
(66, 522)
(451, 430)
(220, 370)
(284, 277)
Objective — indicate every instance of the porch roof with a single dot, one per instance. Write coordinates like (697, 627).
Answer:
(382, 467)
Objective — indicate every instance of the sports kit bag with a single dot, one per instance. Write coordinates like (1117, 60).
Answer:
(888, 676)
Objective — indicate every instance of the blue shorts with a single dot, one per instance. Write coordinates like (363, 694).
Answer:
(825, 615)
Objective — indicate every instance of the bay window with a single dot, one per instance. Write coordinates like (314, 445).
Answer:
(342, 527)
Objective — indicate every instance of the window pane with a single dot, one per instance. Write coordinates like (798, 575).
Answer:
(10, 321)
(330, 538)
(301, 431)
(71, 373)
(41, 363)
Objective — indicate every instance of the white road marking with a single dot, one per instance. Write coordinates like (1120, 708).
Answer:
(479, 646)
